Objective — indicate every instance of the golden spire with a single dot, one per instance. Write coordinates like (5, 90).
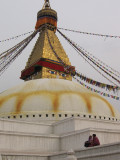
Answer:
(46, 4)
(43, 62)
(46, 16)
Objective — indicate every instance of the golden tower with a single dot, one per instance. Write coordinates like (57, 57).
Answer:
(43, 62)
(46, 98)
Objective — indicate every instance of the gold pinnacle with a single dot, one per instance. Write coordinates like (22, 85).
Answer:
(46, 4)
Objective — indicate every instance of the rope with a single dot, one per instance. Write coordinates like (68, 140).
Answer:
(96, 83)
(102, 85)
(88, 33)
(10, 50)
(84, 54)
(117, 74)
(8, 39)
(56, 55)
(90, 63)
(99, 92)
(93, 66)
(15, 52)
(94, 56)
(66, 67)
(54, 50)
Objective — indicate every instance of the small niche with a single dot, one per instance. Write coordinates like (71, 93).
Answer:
(53, 115)
(65, 115)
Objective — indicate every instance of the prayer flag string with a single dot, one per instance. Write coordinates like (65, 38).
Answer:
(88, 33)
(99, 92)
(81, 52)
(8, 39)
(97, 84)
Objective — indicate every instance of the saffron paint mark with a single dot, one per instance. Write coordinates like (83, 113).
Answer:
(19, 102)
(21, 97)
(56, 103)
(87, 100)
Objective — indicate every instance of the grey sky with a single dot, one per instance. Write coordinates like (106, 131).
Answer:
(98, 16)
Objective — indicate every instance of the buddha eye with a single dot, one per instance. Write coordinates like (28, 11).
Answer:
(63, 75)
(52, 72)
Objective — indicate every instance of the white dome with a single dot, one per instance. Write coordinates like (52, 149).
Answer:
(53, 96)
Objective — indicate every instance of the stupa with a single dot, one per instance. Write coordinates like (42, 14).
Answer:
(49, 114)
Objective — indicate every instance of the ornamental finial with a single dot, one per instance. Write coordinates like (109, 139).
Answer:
(46, 4)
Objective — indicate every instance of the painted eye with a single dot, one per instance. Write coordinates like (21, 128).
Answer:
(63, 75)
(52, 72)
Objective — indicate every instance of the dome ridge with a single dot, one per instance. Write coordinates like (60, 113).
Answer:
(55, 96)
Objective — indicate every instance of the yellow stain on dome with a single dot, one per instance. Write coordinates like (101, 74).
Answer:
(87, 99)
(56, 102)
(21, 97)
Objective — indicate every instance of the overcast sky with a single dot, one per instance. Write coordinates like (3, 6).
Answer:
(98, 16)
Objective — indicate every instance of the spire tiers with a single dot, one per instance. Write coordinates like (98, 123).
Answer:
(46, 16)
(44, 61)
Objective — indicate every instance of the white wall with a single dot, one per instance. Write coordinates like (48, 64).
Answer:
(74, 124)
(23, 157)
(27, 143)
(75, 140)
(104, 152)
(25, 127)
(22, 137)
